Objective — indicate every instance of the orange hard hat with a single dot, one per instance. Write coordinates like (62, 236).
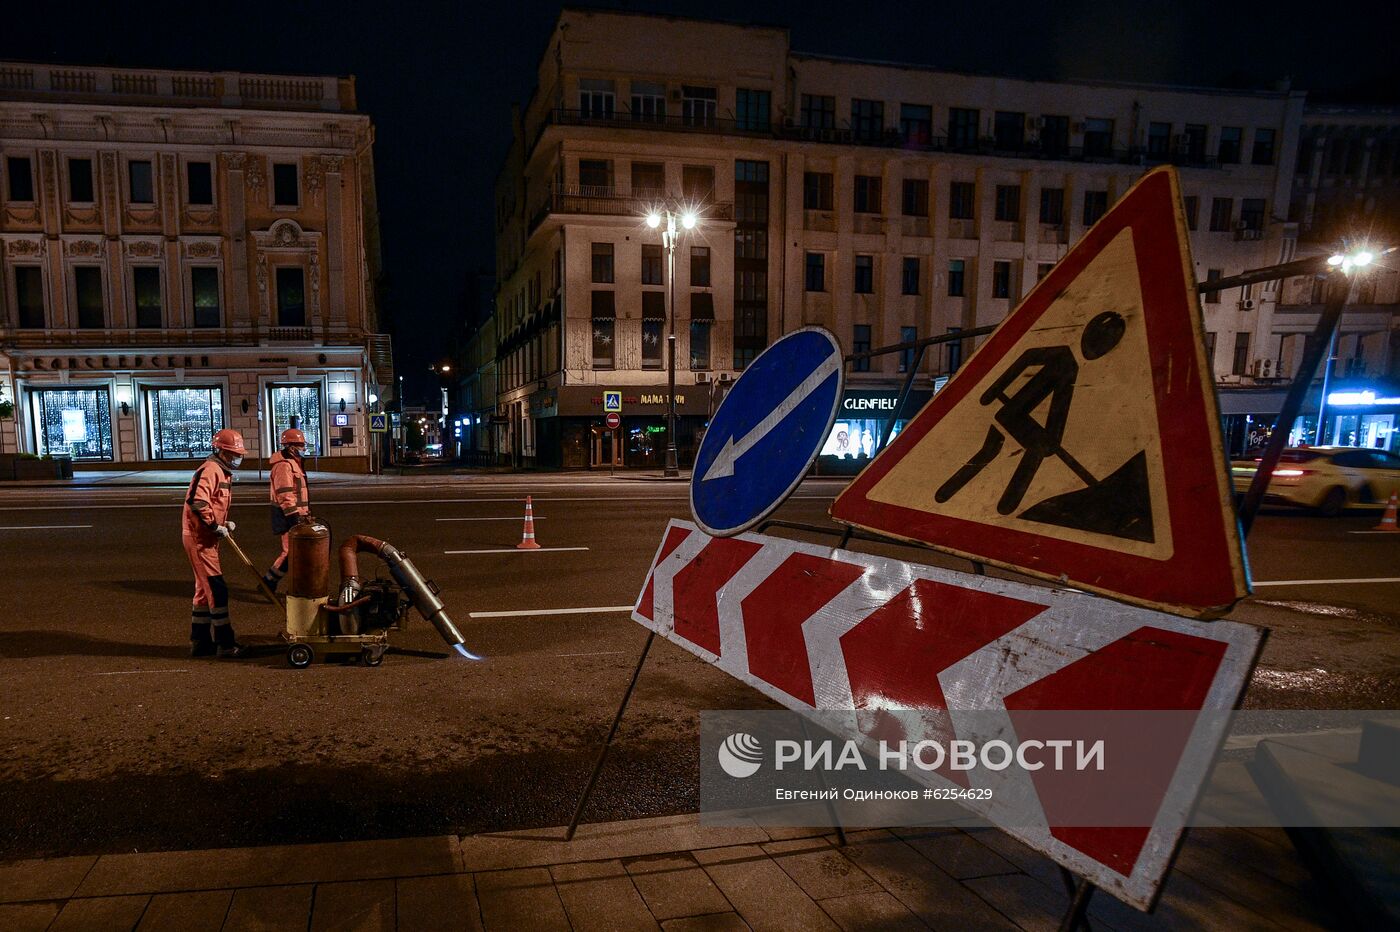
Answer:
(230, 440)
(292, 435)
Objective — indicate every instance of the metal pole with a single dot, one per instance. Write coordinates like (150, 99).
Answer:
(1326, 378)
(1076, 916)
(903, 397)
(1338, 288)
(672, 463)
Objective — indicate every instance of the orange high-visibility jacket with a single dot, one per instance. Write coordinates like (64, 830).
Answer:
(208, 498)
(288, 485)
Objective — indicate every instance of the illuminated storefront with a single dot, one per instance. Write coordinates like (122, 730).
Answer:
(855, 436)
(74, 422)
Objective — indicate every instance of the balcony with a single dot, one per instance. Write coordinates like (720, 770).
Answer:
(20, 80)
(608, 201)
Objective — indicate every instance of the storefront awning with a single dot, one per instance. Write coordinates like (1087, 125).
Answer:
(603, 305)
(653, 305)
(702, 306)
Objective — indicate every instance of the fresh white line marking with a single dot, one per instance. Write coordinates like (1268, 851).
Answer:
(601, 653)
(511, 518)
(42, 527)
(1326, 582)
(514, 550)
(524, 613)
(1374, 532)
(130, 672)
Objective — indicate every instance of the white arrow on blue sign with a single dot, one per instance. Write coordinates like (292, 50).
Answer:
(767, 432)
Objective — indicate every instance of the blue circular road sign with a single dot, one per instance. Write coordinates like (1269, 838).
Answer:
(767, 432)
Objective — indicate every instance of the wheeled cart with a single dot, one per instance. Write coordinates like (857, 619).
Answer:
(302, 649)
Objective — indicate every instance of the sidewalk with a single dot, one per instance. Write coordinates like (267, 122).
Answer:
(669, 873)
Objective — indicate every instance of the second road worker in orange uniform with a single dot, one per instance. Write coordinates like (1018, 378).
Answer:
(204, 523)
(291, 503)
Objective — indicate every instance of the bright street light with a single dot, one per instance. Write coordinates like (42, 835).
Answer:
(1355, 260)
(653, 220)
(688, 220)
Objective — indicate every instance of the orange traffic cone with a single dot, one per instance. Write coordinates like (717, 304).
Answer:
(528, 541)
(1388, 519)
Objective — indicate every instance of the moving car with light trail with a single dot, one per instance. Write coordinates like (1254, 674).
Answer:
(1328, 479)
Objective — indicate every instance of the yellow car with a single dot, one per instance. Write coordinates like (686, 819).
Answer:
(1327, 479)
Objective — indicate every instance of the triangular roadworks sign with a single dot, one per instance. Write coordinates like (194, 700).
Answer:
(1081, 442)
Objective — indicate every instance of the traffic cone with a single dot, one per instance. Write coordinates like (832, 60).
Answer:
(1388, 519)
(528, 541)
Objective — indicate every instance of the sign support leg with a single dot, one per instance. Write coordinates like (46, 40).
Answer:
(1075, 916)
(830, 809)
(904, 389)
(607, 742)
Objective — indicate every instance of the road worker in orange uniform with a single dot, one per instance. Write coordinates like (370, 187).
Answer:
(291, 503)
(204, 524)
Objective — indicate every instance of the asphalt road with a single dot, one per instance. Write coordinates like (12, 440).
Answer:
(115, 740)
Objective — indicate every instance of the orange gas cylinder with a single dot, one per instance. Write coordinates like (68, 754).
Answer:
(309, 559)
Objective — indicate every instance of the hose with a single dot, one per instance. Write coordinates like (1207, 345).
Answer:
(421, 591)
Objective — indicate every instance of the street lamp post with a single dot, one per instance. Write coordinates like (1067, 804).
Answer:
(668, 242)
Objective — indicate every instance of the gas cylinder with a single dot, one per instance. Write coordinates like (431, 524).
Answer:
(308, 572)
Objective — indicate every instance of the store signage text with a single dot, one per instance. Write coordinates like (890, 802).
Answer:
(121, 362)
(641, 399)
(868, 404)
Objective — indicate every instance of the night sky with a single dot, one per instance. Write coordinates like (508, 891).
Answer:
(438, 80)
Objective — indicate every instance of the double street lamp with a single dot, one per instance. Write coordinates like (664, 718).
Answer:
(687, 220)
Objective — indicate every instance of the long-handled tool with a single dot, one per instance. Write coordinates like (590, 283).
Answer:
(272, 596)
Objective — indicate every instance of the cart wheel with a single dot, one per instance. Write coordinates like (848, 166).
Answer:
(300, 656)
(372, 657)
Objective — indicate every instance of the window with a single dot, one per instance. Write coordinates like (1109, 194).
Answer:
(906, 356)
(1042, 269)
(1213, 275)
(1252, 213)
(1009, 130)
(204, 289)
(1001, 279)
(1095, 206)
(74, 422)
(816, 190)
(702, 318)
(1263, 147)
(183, 421)
(597, 99)
(867, 191)
(860, 343)
(604, 314)
(1159, 141)
(818, 112)
(750, 260)
(199, 183)
(298, 406)
(87, 292)
(698, 105)
(1221, 209)
(1231, 140)
(1210, 352)
(752, 110)
(954, 351)
(138, 176)
(962, 196)
(1098, 137)
(1008, 206)
(653, 328)
(80, 180)
(284, 185)
(697, 183)
(915, 200)
(909, 278)
(594, 177)
(867, 118)
(956, 269)
(648, 180)
(962, 128)
(1306, 148)
(603, 263)
(1192, 203)
(700, 266)
(1239, 365)
(816, 271)
(916, 124)
(145, 287)
(1054, 135)
(21, 175)
(1195, 142)
(291, 297)
(1052, 206)
(651, 265)
(865, 275)
(29, 297)
(648, 102)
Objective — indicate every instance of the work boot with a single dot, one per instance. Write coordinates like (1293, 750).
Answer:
(271, 580)
(201, 645)
(228, 646)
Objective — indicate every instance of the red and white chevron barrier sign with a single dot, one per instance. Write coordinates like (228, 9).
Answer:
(821, 629)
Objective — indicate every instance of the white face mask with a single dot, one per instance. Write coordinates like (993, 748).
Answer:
(236, 462)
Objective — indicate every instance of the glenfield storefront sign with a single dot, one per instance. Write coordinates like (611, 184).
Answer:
(860, 420)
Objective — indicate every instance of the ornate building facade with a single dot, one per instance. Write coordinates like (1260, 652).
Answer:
(185, 251)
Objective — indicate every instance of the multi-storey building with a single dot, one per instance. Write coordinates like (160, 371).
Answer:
(884, 202)
(185, 251)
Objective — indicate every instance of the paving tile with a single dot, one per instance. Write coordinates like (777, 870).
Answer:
(819, 868)
(186, 912)
(674, 886)
(27, 917)
(958, 853)
(520, 899)
(762, 894)
(354, 906)
(446, 903)
(1187, 903)
(600, 842)
(862, 911)
(40, 879)
(270, 909)
(100, 913)
(714, 922)
(1293, 906)
(174, 871)
(1024, 900)
(930, 894)
(599, 895)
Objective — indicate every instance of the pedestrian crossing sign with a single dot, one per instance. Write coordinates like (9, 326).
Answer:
(1081, 442)
(379, 423)
(612, 402)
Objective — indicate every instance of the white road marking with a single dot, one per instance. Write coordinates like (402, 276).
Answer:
(511, 518)
(523, 613)
(332, 503)
(515, 550)
(1325, 582)
(130, 672)
(600, 653)
(1374, 532)
(42, 527)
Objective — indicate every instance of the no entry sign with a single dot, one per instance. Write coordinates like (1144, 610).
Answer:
(613, 420)
(820, 629)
